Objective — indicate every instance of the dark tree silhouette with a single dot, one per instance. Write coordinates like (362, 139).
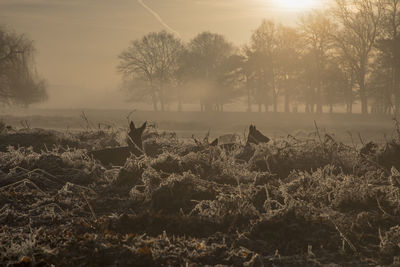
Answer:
(360, 22)
(19, 82)
(154, 59)
(288, 59)
(342, 55)
(209, 64)
(389, 56)
(317, 31)
(262, 57)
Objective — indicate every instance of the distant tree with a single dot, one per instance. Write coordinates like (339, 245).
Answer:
(208, 64)
(255, 71)
(317, 31)
(153, 59)
(380, 85)
(388, 57)
(229, 80)
(349, 74)
(308, 82)
(262, 60)
(272, 64)
(19, 82)
(288, 53)
(360, 24)
(248, 71)
(183, 76)
(335, 84)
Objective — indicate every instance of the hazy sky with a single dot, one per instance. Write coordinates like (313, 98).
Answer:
(78, 41)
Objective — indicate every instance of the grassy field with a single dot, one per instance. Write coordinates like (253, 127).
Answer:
(186, 124)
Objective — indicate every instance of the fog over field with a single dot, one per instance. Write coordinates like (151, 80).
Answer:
(199, 133)
(78, 42)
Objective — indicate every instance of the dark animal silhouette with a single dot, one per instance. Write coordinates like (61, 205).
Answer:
(226, 140)
(118, 155)
(229, 140)
(255, 136)
(135, 138)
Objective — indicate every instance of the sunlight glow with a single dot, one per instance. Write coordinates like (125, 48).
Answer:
(296, 5)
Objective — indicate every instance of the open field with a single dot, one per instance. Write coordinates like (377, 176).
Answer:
(186, 124)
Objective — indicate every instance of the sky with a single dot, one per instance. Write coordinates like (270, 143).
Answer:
(78, 41)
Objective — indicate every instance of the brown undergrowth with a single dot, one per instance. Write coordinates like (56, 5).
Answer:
(293, 201)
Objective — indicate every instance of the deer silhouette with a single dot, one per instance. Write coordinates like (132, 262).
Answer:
(118, 155)
(256, 137)
(135, 143)
(229, 140)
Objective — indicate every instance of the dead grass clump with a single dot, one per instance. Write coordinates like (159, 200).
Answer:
(263, 178)
(153, 224)
(317, 188)
(193, 145)
(59, 167)
(224, 171)
(38, 139)
(231, 210)
(153, 148)
(245, 154)
(293, 230)
(154, 143)
(130, 175)
(167, 163)
(355, 194)
(218, 165)
(150, 181)
(390, 241)
(180, 193)
(16, 157)
(389, 155)
(197, 163)
(100, 139)
(267, 198)
(284, 156)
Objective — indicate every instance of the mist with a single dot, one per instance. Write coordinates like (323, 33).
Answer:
(78, 42)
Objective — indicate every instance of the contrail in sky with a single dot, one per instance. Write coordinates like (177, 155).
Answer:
(155, 14)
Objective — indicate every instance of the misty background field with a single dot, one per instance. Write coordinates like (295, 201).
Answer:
(345, 128)
(317, 57)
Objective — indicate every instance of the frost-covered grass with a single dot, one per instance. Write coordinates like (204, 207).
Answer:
(293, 201)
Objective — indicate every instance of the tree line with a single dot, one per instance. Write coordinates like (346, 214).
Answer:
(19, 82)
(347, 54)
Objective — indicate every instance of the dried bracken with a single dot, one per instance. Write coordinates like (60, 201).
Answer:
(289, 202)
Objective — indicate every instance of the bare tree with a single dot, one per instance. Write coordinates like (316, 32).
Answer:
(360, 22)
(248, 73)
(154, 58)
(317, 30)
(19, 82)
(349, 75)
(207, 61)
(287, 62)
(263, 45)
(389, 51)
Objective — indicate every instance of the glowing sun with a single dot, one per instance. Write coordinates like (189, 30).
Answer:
(299, 5)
